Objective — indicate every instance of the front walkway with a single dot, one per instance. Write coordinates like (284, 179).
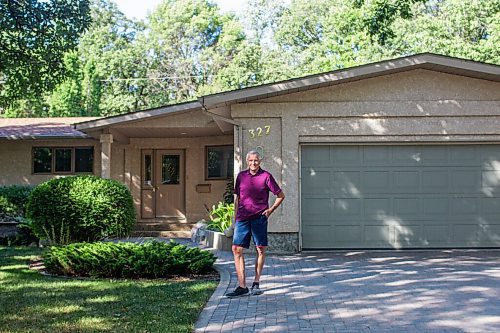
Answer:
(360, 291)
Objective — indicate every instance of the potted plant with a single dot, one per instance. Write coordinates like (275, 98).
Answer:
(221, 219)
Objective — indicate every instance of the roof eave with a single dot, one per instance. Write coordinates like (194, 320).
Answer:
(425, 60)
(136, 116)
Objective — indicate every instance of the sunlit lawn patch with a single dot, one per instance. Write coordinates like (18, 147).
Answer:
(31, 302)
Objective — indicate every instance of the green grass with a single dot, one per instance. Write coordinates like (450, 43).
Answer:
(31, 302)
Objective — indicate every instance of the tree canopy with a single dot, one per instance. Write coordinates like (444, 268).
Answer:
(34, 37)
(186, 48)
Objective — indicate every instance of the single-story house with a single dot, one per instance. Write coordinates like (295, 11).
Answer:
(398, 154)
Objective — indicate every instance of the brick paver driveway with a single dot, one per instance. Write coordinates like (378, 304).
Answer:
(362, 291)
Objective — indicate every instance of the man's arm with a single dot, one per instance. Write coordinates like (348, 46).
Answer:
(279, 199)
(236, 200)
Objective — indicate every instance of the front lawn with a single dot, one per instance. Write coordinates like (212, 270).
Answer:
(30, 302)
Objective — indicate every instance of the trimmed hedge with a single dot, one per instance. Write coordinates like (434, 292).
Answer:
(81, 209)
(13, 199)
(127, 260)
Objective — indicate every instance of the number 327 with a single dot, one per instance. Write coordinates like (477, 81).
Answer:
(259, 131)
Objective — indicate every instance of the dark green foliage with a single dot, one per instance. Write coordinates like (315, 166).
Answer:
(35, 35)
(81, 208)
(13, 199)
(127, 260)
(229, 193)
(221, 216)
(24, 235)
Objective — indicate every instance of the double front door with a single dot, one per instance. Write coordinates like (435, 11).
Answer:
(162, 190)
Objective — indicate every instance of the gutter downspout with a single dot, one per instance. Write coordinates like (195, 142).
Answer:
(239, 129)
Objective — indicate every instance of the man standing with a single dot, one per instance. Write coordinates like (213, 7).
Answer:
(251, 191)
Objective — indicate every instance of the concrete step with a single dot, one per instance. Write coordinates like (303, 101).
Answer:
(164, 233)
(163, 226)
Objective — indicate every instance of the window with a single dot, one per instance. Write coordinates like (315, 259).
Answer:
(220, 162)
(170, 169)
(63, 160)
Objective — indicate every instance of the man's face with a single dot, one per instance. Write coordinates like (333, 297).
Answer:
(253, 163)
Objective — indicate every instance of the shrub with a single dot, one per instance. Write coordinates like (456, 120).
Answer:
(229, 192)
(81, 208)
(127, 260)
(23, 236)
(13, 199)
(221, 216)
(7, 208)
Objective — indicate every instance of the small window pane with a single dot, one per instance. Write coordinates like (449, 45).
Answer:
(84, 159)
(63, 159)
(170, 165)
(42, 160)
(148, 169)
(220, 162)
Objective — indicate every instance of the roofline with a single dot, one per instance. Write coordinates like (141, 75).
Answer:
(423, 60)
(44, 137)
(137, 115)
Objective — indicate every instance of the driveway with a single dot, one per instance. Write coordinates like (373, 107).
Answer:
(363, 291)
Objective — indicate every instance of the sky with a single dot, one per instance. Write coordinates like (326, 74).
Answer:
(140, 8)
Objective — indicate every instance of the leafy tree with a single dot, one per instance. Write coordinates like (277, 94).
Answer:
(380, 14)
(466, 29)
(34, 36)
(191, 41)
(101, 75)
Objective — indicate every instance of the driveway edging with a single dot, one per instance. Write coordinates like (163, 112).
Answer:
(206, 314)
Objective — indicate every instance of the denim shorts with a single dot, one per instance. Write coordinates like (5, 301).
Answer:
(256, 228)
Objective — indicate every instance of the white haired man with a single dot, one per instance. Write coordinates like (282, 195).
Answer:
(251, 191)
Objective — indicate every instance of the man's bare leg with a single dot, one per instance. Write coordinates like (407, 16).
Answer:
(259, 262)
(239, 263)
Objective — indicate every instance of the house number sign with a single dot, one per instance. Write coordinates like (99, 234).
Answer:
(259, 131)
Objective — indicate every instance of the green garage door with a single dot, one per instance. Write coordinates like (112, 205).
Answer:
(400, 196)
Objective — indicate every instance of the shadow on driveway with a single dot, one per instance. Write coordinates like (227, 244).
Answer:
(363, 291)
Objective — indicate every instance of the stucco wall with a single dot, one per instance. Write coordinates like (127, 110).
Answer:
(414, 106)
(126, 167)
(16, 160)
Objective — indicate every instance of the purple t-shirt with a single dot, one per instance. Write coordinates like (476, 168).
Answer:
(253, 192)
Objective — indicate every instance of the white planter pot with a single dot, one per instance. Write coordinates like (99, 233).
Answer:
(217, 240)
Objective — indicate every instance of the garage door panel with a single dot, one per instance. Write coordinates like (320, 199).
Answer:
(434, 155)
(313, 207)
(465, 155)
(347, 184)
(345, 156)
(435, 180)
(377, 207)
(346, 208)
(465, 234)
(317, 237)
(316, 156)
(490, 206)
(489, 234)
(435, 207)
(404, 196)
(378, 233)
(490, 182)
(376, 155)
(406, 181)
(405, 156)
(376, 181)
(465, 180)
(317, 182)
(435, 235)
(464, 206)
(407, 235)
(347, 234)
(407, 207)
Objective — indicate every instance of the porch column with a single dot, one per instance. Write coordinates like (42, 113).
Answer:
(106, 141)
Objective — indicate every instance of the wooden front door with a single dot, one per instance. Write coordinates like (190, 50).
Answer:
(163, 192)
